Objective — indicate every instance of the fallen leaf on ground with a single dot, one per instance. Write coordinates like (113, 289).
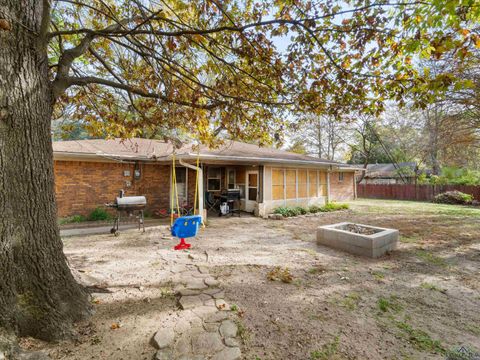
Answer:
(115, 326)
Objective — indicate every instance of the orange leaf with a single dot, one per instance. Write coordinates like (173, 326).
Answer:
(115, 326)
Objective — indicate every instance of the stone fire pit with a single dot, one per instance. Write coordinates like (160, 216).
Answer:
(358, 239)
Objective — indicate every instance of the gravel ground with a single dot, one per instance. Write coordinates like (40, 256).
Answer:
(419, 302)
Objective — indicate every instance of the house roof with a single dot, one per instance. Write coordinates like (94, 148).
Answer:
(388, 170)
(157, 150)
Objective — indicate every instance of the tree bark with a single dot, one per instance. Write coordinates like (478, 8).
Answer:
(38, 295)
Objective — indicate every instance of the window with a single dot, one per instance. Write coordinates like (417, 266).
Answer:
(340, 176)
(252, 186)
(181, 179)
(302, 183)
(231, 179)
(322, 177)
(297, 184)
(214, 179)
(242, 191)
(312, 183)
(240, 181)
(291, 184)
(278, 182)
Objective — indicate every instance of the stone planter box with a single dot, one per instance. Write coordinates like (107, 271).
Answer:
(375, 243)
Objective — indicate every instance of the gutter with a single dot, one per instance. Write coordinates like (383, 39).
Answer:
(112, 157)
(260, 159)
(352, 168)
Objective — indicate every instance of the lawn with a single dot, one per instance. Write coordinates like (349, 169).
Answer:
(291, 298)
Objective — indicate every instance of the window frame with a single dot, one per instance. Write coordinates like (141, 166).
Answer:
(229, 171)
(219, 178)
(185, 197)
(278, 185)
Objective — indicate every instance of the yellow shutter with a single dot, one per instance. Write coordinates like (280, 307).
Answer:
(302, 183)
(277, 184)
(291, 186)
(313, 185)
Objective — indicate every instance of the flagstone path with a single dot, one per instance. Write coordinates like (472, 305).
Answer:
(203, 328)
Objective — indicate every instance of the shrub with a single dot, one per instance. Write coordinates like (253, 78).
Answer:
(331, 206)
(98, 214)
(289, 211)
(452, 176)
(453, 197)
(301, 210)
(282, 210)
(314, 209)
(72, 219)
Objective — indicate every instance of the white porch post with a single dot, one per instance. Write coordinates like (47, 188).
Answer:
(201, 194)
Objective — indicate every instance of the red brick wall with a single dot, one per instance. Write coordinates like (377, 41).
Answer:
(342, 190)
(82, 186)
(192, 177)
(154, 185)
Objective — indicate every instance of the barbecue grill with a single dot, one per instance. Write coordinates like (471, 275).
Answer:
(128, 205)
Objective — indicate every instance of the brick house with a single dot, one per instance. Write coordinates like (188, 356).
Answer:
(90, 173)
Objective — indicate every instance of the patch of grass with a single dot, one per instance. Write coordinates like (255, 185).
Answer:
(298, 282)
(410, 239)
(431, 258)
(316, 270)
(399, 207)
(379, 276)
(167, 290)
(390, 304)
(351, 301)
(331, 206)
(474, 329)
(234, 308)
(432, 287)
(311, 252)
(420, 339)
(280, 274)
(328, 350)
(242, 331)
(72, 219)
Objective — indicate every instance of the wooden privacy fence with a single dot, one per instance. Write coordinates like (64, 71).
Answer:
(411, 191)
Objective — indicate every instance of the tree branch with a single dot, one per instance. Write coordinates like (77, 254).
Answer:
(60, 83)
(82, 81)
(42, 35)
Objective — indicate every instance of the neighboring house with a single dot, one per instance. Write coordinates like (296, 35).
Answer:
(400, 173)
(90, 173)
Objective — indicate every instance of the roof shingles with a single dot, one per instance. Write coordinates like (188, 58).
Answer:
(138, 148)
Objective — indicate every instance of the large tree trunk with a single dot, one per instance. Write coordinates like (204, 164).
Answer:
(38, 294)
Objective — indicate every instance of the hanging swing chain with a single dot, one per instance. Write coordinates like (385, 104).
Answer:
(174, 192)
(196, 183)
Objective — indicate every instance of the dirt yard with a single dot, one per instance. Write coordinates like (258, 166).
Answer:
(419, 302)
